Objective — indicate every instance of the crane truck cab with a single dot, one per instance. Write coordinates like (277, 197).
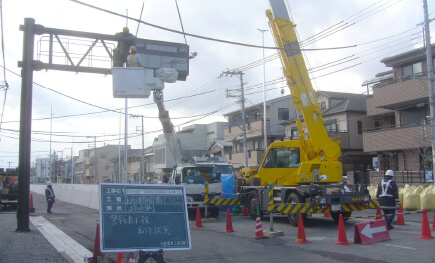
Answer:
(194, 176)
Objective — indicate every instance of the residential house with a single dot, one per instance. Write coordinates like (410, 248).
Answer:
(344, 119)
(399, 131)
(277, 110)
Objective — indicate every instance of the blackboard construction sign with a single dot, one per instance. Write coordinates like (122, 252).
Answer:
(143, 217)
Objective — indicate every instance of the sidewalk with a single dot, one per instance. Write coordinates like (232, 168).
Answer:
(24, 246)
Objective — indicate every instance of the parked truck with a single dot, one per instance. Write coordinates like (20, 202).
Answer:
(205, 172)
(8, 189)
(300, 176)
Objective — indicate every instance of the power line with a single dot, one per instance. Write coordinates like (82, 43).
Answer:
(197, 36)
(4, 63)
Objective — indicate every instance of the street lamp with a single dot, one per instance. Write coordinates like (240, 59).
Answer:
(264, 93)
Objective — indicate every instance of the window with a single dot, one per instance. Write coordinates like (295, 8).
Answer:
(412, 69)
(283, 114)
(282, 158)
(258, 144)
(323, 105)
(239, 147)
(359, 127)
(331, 125)
(257, 116)
(294, 133)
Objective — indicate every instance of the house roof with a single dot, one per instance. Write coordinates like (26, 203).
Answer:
(351, 102)
(406, 56)
(219, 142)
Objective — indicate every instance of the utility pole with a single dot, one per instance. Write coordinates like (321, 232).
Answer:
(95, 158)
(51, 164)
(430, 76)
(242, 101)
(142, 159)
(264, 94)
(125, 144)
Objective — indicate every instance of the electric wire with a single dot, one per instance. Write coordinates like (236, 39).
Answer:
(194, 35)
(4, 63)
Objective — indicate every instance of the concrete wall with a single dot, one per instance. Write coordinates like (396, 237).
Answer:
(79, 194)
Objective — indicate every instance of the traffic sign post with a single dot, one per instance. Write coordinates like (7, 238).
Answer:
(144, 218)
(371, 232)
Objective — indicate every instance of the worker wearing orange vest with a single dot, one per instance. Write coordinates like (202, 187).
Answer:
(133, 60)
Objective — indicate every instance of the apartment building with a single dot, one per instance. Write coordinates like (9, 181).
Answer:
(95, 165)
(344, 119)
(397, 109)
(194, 140)
(278, 110)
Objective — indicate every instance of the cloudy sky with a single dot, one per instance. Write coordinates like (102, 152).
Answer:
(374, 28)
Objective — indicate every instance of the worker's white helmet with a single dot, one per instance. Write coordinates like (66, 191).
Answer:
(389, 173)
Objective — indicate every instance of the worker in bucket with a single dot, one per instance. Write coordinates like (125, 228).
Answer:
(133, 60)
(388, 196)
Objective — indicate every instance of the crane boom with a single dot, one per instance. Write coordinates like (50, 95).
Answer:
(168, 127)
(303, 95)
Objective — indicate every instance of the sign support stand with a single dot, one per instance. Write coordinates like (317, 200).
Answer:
(158, 256)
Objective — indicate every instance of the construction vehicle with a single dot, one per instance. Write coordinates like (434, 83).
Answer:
(205, 171)
(299, 176)
(8, 189)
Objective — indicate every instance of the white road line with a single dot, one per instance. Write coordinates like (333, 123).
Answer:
(389, 245)
(62, 242)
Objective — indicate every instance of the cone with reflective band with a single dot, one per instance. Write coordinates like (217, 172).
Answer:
(97, 251)
(258, 226)
(400, 217)
(425, 228)
(229, 227)
(121, 256)
(31, 207)
(245, 211)
(198, 223)
(259, 229)
(301, 232)
(378, 214)
(342, 238)
(326, 215)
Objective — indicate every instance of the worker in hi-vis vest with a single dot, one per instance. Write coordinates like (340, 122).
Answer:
(132, 59)
(388, 195)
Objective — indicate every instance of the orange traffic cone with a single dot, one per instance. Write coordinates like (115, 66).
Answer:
(245, 211)
(198, 223)
(259, 229)
(425, 229)
(342, 238)
(400, 217)
(31, 207)
(378, 214)
(121, 255)
(229, 226)
(301, 232)
(97, 251)
(326, 215)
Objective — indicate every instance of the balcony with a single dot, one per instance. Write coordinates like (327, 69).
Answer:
(395, 138)
(254, 158)
(399, 94)
(373, 111)
(252, 128)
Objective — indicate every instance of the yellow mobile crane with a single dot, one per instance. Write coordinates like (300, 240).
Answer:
(299, 176)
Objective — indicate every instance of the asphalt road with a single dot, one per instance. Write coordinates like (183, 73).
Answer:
(210, 244)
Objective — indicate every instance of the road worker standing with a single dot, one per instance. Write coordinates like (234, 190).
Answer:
(388, 196)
